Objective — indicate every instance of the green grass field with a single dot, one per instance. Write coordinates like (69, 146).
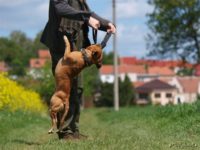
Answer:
(133, 128)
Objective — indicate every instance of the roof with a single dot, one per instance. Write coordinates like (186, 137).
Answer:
(153, 62)
(137, 83)
(189, 84)
(153, 85)
(139, 69)
(37, 62)
(161, 71)
(109, 69)
(44, 54)
(128, 60)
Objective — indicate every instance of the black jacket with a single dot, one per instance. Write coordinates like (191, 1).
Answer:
(59, 9)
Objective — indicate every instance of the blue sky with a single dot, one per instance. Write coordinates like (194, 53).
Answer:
(30, 16)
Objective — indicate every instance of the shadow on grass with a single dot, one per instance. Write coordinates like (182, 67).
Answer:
(26, 142)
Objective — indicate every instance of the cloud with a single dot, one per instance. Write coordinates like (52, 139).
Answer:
(129, 9)
(23, 15)
(132, 8)
(131, 39)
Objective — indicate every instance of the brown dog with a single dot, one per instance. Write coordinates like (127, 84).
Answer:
(67, 68)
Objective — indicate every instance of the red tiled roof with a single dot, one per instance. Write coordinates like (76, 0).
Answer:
(158, 63)
(44, 54)
(128, 60)
(37, 62)
(138, 83)
(189, 84)
(139, 69)
(108, 69)
(154, 84)
(161, 71)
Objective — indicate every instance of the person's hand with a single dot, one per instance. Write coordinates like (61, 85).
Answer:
(94, 23)
(111, 28)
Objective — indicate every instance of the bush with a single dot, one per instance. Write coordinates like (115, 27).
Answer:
(15, 97)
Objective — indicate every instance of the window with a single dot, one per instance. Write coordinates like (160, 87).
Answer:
(169, 95)
(157, 95)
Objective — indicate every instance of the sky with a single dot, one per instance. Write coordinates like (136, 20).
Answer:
(30, 17)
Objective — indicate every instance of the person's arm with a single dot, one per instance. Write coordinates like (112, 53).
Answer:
(103, 22)
(65, 10)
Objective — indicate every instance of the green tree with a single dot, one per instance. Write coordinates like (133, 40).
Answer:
(126, 92)
(106, 98)
(13, 55)
(26, 44)
(37, 44)
(108, 58)
(175, 29)
(90, 78)
(21, 39)
(47, 83)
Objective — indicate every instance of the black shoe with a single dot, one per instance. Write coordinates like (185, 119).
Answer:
(66, 136)
(79, 136)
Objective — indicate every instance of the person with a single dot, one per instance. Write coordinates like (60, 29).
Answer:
(73, 19)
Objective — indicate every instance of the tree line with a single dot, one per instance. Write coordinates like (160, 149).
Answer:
(17, 49)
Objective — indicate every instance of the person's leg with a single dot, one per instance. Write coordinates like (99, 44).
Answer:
(74, 101)
(56, 54)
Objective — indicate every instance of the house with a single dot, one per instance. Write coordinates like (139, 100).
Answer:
(36, 63)
(132, 71)
(156, 92)
(43, 57)
(176, 65)
(3, 67)
(188, 89)
(136, 73)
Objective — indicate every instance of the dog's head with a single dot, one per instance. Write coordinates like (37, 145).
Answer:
(96, 54)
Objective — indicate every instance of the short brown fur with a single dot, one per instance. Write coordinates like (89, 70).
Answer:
(67, 68)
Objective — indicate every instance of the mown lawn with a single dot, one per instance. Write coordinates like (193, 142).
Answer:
(133, 128)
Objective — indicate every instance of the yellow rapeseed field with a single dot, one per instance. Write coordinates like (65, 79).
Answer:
(15, 97)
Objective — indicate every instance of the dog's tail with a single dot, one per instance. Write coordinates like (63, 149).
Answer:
(67, 46)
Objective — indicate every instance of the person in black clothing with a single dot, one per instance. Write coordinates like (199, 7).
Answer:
(71, 18)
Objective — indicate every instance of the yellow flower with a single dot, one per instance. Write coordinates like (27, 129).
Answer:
(15, 97)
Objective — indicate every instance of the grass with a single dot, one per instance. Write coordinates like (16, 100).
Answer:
(133, 128)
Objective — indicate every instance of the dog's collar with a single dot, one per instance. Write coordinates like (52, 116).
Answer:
(86, 59)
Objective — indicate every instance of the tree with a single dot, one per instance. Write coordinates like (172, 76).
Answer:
(13, 55)
(126, 92)
(90, 78)
(47, 83)
(108, 58)
(106, 98)
(37, 44)
(175, 29)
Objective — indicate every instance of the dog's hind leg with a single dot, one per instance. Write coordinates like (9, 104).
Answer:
(53, 121)
(66, 110)
(56, 106)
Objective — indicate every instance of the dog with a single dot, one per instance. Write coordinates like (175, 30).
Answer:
(68, 67)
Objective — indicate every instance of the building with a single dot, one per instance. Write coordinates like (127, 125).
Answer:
(43, 57)
(188, 89)
(136, 73)
(3, 67)
(156, 92)
(36, 63)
